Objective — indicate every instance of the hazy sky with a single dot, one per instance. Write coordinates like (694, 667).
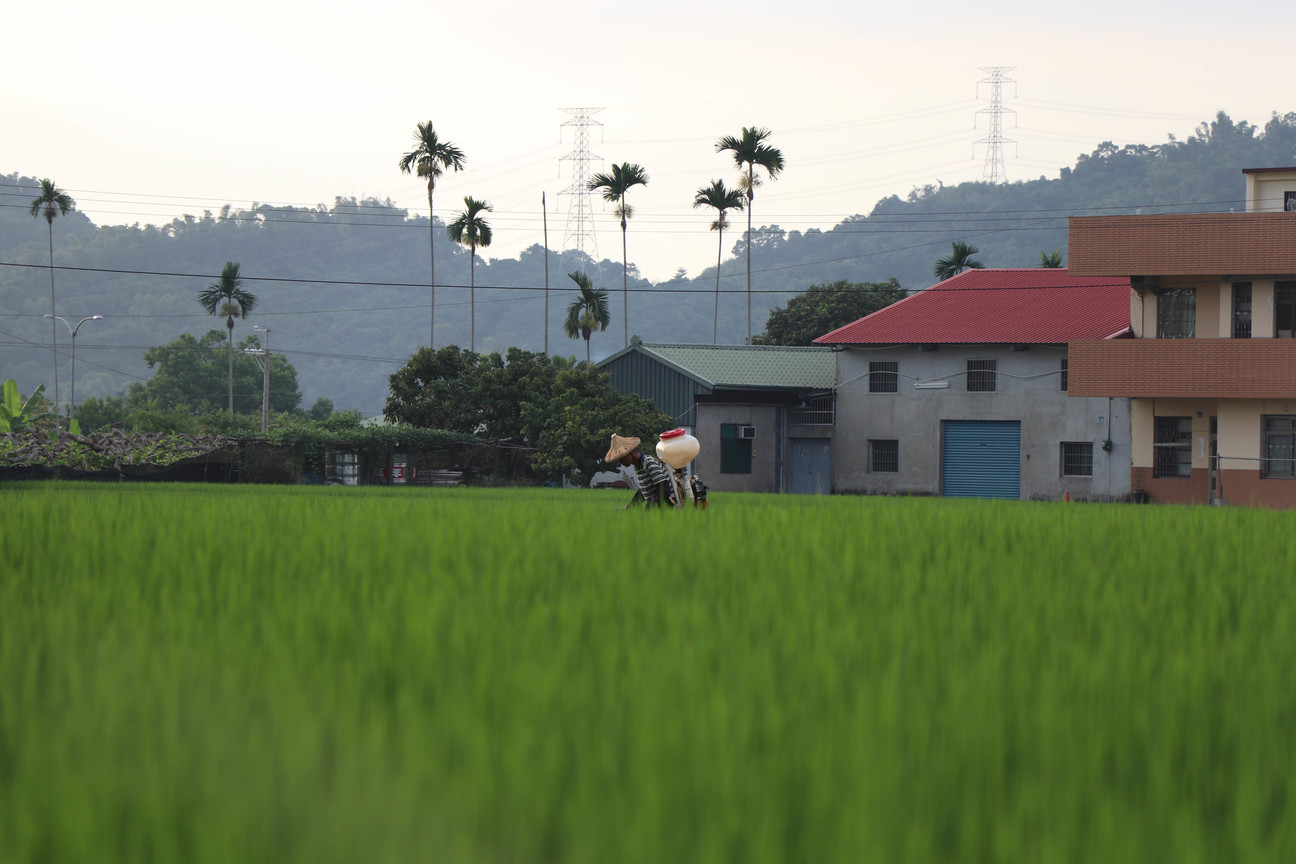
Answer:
(144, 111)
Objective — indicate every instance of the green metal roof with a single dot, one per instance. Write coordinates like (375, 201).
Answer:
(810, 367)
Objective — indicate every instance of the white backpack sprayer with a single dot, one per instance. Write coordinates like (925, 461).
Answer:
(677, 449)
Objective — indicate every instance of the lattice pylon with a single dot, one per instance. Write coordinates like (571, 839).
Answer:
(580, 236)
(994, 139)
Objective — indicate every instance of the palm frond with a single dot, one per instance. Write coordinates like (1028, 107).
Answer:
(52, 201)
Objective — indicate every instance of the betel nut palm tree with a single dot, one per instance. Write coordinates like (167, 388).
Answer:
(614, 186)
(429, 159)
(959, 259)
(589, 311)
(750, 152)
(50, 203)
(229, 298)
(471, 230)
(722, 199)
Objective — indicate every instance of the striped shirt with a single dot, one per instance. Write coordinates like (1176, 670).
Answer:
(650, 473)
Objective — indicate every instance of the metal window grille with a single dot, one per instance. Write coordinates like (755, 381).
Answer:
(1278, 444)
(981, 375)
(884, 455)
(884, 376)
(1077, 458)
(820, 410)
(1285, 309)
(1064, 374)
(1177, 313)
(1172, 447)
(1241, 310)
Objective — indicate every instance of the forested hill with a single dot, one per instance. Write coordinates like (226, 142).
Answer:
(344, 288)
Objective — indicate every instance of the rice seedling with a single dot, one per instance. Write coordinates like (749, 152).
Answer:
(295, 674)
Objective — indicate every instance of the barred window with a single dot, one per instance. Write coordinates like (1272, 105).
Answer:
(1172, 447)
(1285, 309)
(884, 455)
(1064, 374)
(883, 376)
(1241, 310)
(1177, 313)
(981, 375)
(1077, 458)
(1278, 445)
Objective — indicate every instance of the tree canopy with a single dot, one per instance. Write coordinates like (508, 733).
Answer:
(566, 411)
(824, 308)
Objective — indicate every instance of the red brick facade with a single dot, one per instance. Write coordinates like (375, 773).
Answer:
(1183, 368)
(1183, 244)
(1237, 487)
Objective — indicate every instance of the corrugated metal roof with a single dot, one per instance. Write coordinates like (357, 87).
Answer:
(752, 365)
(1028, 306)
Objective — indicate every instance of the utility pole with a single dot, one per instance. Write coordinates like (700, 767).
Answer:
(545, 213)
(994, 140)
(262, 356)
(580, 217)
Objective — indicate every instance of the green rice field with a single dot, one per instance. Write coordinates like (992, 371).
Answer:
(290, 674)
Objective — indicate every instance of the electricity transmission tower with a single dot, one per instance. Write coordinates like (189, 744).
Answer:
(579, 236)
(994, 140)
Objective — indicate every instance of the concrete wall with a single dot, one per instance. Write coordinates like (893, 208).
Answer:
(765, 455)
(1028, 389)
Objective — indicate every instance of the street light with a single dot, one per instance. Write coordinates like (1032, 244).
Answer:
(73, 331)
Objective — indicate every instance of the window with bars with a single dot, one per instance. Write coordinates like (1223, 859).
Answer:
(884, 376)
(884, 455)
(1285, 309)
(1064, 374)
(1177, 313)
(1172, 447)
(981, 375)
(817, 410)
(1241, 310)
(1077, 458)
(1278, 445)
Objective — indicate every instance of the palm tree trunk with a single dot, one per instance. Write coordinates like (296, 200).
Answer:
(432, 250)
(715, 322)
(751, 194)
(625, 297)
(53, 320)
(229, 327)
(472, 299)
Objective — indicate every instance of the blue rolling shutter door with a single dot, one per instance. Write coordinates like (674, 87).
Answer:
(981, 459)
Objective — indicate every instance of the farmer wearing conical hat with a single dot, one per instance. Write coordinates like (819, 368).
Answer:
(655, 486)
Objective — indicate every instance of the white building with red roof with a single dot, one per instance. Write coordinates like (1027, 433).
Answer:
(961, 390)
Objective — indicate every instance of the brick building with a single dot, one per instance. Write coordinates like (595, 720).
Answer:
(1211, 370)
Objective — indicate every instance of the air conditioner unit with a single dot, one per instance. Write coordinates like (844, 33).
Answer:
(746, 431)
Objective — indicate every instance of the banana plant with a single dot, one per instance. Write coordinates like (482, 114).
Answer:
(17, 415)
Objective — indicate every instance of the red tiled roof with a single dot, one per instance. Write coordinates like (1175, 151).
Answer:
(1037, 306)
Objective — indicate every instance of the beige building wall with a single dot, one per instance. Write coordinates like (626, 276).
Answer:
(1262, 308)
(1264, 192)
(1137, 321)
(1142, 422)
(1208, 311)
